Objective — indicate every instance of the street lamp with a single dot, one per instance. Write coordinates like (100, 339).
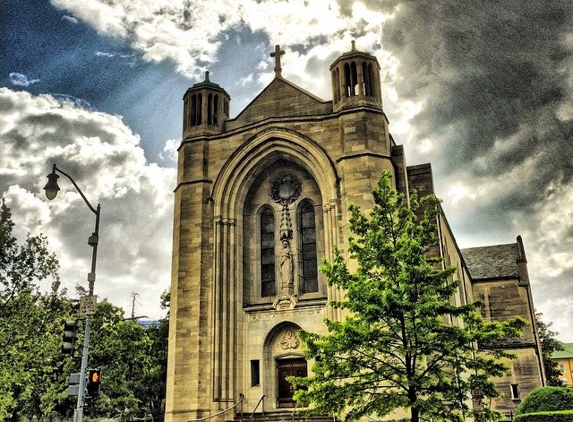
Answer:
(52, 189)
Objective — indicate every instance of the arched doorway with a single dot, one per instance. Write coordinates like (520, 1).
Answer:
(285, 358)
(290, 367)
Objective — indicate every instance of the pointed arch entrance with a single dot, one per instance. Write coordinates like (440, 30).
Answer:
(275, 209)
(284, 358)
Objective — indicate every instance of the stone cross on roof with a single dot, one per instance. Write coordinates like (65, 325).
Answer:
(277, 55)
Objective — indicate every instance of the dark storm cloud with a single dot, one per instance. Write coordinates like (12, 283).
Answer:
(494, 86)
(493, 80)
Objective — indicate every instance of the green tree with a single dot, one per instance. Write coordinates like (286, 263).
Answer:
(32, 379)
(404, 344)
(120, 348)
(156, 381)
(133, 363)
(34, 373)
(549, 344)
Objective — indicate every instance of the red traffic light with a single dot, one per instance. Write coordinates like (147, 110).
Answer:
(94, 382)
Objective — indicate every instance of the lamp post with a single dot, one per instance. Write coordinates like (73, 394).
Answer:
(52, 189)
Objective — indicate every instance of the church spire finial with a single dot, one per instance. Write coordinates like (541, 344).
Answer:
(353, 45)
(207, 76)
(277, 55)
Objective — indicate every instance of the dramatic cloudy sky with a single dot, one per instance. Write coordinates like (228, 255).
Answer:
(483, 91)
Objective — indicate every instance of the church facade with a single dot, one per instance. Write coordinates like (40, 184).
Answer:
(260, 200)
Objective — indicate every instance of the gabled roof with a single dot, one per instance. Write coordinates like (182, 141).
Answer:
(282, 98)
(490, 262)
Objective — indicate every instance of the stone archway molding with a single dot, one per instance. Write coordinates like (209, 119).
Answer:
(237, 174)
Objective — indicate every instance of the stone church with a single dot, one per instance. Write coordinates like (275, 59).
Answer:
(261, 199)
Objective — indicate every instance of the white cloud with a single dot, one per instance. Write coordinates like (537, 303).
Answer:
(105, 159)
(190, 33)
(170, 150)
(70, 19)
(20, 79)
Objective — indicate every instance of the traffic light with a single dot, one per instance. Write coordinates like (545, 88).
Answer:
(94, 382)
(70, 332)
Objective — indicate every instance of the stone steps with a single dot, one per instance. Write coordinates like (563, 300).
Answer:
(289, 416)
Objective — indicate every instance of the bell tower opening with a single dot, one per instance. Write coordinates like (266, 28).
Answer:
(355, 80)
(205, 108)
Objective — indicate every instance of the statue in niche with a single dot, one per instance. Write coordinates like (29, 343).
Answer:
(286, 265)
(284, 191)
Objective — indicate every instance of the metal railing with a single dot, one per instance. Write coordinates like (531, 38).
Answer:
(241, 398)
(294, 411)
(261, 400)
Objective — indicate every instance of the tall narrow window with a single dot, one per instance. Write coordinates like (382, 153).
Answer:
(368, 79)
(193, 114)
(255, 373)
(216, 110)
(308, 248)
(336, 85)
(186, 122)
(514, 392)
(225, 106)
(196, 107)
(199, 110)
(267, 253)
(350, 79)
(210, 109)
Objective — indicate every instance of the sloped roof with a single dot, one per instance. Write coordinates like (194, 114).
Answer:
(489, 262)
(566, 353)
(282, 98)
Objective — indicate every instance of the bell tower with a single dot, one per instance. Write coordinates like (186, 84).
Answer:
(367, 147)
(205, 108)
(355, 80)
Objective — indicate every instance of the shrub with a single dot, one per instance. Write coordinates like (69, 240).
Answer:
(546, 399)
(557, 416)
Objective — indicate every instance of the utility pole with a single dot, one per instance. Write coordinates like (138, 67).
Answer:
(134, 296)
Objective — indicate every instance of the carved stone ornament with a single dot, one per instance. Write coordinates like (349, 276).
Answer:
(289, 340)
(286, 190)
(285, 302)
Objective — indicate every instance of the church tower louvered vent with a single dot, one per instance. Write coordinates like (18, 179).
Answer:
(355, 80)
(205, 108)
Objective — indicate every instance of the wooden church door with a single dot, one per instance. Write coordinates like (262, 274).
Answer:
(287, 368)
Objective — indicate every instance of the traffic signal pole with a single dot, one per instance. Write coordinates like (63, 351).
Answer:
(52, 189)
(82, 385)
(93, 242)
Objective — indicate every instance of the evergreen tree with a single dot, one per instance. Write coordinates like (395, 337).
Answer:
(549, 344)
(404, 345)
